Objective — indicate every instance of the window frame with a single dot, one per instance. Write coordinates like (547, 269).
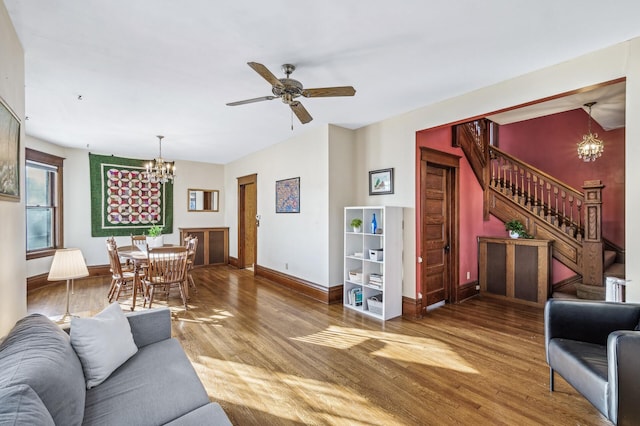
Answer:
(58, 228)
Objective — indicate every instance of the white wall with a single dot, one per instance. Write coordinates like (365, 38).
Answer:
(299, 240)
(77, 204)
(13, 302)
(342, 193)
(632, 171)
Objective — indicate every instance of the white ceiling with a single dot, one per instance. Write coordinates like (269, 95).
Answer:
(150, 67)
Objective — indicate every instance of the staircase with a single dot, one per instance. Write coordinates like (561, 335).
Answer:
(549, 209)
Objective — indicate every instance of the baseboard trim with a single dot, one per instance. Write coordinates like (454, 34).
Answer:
(233, 261)
(411, 308)
(322, 294)
(467, 291)
(39, 281)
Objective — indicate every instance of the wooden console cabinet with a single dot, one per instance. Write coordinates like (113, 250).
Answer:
(518, 269)
(213, 245)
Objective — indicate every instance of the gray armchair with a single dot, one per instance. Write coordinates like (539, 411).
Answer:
(594, 347)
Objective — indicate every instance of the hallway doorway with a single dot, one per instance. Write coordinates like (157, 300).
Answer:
(247, 221)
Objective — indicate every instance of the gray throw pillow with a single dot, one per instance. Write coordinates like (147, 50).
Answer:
(20, 405)
(103, 343)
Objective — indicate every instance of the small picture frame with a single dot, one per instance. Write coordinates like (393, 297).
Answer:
(288, 195)
(381, 182)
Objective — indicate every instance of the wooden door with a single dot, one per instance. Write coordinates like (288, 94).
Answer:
(438, 226)
(247, 223)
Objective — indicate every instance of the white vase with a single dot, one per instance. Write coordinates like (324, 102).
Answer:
(357, 229)
(514, 234)
(155, 242)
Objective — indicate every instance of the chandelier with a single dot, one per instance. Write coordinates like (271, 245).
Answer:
(590, 148)
(160, 170)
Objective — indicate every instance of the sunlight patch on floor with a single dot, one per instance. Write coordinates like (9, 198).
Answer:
(399, 347)
(272, 392)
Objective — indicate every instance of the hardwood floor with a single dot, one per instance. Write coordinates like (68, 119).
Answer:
(270, 357)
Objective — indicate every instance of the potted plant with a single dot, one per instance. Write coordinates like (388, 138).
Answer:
(155, 237)
(516, 229)
(356, 223)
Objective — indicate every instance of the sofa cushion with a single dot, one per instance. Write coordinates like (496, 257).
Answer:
(210, 414)
(20, 405)
(102, 343)
(37, 353)
(154, 387)
(584, 366)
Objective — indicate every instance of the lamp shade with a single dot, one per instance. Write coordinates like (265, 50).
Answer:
(67, 264)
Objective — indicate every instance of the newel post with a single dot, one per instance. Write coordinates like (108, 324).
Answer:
(592, 246)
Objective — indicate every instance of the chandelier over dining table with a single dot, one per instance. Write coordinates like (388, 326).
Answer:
(160, 170)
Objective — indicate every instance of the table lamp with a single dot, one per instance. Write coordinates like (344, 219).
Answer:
(67, 264)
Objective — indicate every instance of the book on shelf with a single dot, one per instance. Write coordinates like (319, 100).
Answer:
(376, 279)
(355, 297)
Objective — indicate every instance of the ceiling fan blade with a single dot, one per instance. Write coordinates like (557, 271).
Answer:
(329, 91)
(301, 112)
(265, 73)
(249, 101)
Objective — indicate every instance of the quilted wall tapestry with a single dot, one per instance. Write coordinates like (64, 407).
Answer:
(123, 202)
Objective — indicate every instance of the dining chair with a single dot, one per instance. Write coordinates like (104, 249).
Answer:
(139, 242)
(167, 268)
(120, 277)
(191, 243)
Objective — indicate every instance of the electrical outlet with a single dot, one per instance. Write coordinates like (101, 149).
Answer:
(477, 287)
(468, 275)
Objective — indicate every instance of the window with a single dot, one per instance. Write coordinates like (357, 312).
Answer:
(43, 201)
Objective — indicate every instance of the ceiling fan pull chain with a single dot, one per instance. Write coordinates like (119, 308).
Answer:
(291, 111)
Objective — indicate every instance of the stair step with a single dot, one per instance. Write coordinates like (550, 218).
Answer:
(590, 292)
(609, 258)
(615, 270)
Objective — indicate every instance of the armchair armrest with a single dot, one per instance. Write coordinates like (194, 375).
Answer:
(587, 321)
(150, 326)
(623, 349)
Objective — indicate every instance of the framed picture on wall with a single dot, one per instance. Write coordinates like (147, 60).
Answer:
(288, 195)
(9, 154)
(381, 182)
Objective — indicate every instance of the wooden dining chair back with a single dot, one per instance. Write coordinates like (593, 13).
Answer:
(139, 242)
(120, 277)
(167, 268)
(191, 243)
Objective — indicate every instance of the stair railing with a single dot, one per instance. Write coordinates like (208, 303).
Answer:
(545, 196)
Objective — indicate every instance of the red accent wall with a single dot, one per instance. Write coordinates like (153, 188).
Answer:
(550, 144)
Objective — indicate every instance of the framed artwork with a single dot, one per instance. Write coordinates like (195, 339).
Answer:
(381, 182)
(9, 154)
(288, 195)
(124, 201)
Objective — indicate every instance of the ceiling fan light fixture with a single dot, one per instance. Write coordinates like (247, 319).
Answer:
(288, 89)
(590, 148)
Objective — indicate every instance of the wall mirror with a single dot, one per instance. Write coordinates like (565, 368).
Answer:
(202, 200)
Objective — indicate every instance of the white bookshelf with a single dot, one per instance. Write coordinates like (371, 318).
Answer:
(389, 219)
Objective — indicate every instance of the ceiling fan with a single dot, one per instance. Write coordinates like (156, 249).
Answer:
(288, 89)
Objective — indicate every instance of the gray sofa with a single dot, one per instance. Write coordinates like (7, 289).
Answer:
(594, 346)
(42, 380)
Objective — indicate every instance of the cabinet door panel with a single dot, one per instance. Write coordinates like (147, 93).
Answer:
(526, 274)
(497, 269)
(216, 247)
